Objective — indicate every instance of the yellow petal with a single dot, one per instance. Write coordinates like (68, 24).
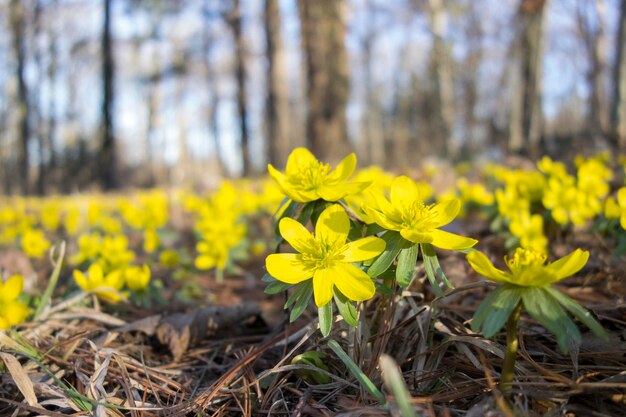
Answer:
(114, 279)
(416, 236)
(81, 280)
(288, 268)
(621, 197)
(569, 264)
(446, 211)
(204, 262)
(363, 249)
(15, 312)
(297, 235)
(404, 192)
(481, 264)
(298, 158)
(354, 283)
(323, 286)
(381, 219)
(447, 240)
(344, 169)
(332, 192)
(96, 275)
(333, 226)
(12, 288)
(4, 323)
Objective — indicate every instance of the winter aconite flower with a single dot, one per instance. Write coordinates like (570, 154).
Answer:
(326, 257)
(417, 222)
(527, 286)
(34, 243)
(137, 278)
(307, 179)
(104, 286)
(12, 312)
(528, 267)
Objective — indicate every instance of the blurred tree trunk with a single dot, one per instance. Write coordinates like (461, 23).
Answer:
(38, 116)
(323, 37)
(211, 77)
(277, 105)
(234, 20)
(618, 110)
(374, 149)
(442, 70)
(107, 158)
(52, 82)
(474, 35)
(526, 114)
(17, 21)
(594, 41)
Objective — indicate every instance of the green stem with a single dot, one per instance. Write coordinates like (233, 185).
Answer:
(512, 343)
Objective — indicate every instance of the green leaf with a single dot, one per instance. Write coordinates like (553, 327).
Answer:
(547, 311)
(496, 309)
(54, 278)
(276, 288)
(406, 265)
(373, 229)
(395, 382)
(356, 231)
(325, 314)
(289, 212)
(428, 253)
(346, 308)
(394, 243)
(312, 358)
(305, 213)
(354, 369)
(579, 312)
(299, 299)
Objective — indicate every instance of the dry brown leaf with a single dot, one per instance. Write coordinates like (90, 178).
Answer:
(180, 330)
(19, 375)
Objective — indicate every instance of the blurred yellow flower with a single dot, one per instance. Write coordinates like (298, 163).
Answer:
(105, 287)
(12, 312)
(137, 277)
(34, 243)
(169, 258)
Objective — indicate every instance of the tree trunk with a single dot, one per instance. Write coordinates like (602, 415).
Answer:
(277, 105)
(52, 81)
(323, 38)
(594, 41)
(526, 117)
(107, 158)
(17, 22)
(443, 74)
(240, 74)
(374, 149)
(618, 108)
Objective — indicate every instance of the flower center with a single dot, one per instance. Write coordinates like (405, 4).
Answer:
(311, 176)
(525, 258)
(324, 255)
(417, 215)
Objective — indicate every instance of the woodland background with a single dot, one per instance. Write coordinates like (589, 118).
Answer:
(115, 93)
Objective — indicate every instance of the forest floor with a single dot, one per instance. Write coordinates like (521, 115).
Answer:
(234, 357)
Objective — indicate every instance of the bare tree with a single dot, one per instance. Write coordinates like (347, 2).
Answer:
(17, 22)
(526, 113)
(234, 20)
(594, 41)
(323, 37)
(107, 158)
(442, 70)
(277, 104)
(618, 106)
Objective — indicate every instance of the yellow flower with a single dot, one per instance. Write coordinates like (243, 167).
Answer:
(89, 247)
(169, 258)
(106, 287)
(12, 312)
(137, 278)
(307, 179)
(417, 222)
(151, 240)
(529, 229)
(115, 252)
(528, 268)
(621, 200)
(34, 243)
(326, 257)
